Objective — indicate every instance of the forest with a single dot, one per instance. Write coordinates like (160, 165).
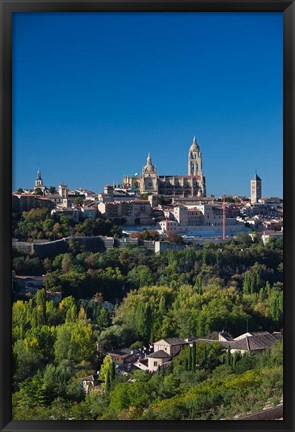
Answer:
(199, 291)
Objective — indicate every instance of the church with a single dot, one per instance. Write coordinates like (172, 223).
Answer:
(191, 185)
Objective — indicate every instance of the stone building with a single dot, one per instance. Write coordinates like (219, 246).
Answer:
(137, 212)
(191, 185)
(255, 189)
(39, 182)
(27, 201)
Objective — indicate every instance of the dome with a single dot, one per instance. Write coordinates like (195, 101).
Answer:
(149, 167)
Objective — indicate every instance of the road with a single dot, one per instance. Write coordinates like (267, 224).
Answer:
(269, 414)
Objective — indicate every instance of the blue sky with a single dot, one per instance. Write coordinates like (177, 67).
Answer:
(93, 93)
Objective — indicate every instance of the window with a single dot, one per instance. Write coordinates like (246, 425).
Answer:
(155, 363)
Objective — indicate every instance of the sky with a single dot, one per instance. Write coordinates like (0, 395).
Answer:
(93, 93)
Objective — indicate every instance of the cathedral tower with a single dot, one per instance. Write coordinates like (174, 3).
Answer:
(149, 177)
(195, 171)
(194, 159)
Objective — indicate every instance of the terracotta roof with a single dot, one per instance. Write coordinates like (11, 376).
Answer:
(160, 354)
(175, 341)
(256, 341)
(122, 352)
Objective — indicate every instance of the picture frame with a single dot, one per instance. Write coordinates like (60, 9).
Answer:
(7, 8)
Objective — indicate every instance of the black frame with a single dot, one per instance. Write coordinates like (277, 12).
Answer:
(7, 7)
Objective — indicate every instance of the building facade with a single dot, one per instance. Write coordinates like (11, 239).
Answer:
(191, 185)
(137, 212)
(256, 189)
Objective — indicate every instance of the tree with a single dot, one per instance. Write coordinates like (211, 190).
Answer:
(38, 191)
(106, 373)
(116, 336)
(140, 276)
(40, 300)
(82, 315)
(27, 359)
(20, 318)
(276, 306)
(67, 262)
(74, 342)
(247, 283)
(52, 281)
(52, 316)
(78, 201)
(175, 238)
(52, 190)
(65, 305)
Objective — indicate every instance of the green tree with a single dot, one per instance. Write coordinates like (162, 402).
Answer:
(40, 300)
(38, 191)
(52, 190)
(106, 373)
(74, 342)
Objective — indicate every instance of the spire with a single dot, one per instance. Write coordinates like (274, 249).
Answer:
(38, 174)
(149, 167)
(194, 146)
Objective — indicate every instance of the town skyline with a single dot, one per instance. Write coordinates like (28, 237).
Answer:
(94, 97)
(57, 184)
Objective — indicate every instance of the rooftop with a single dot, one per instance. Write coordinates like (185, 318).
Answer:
(175, 341)
(159, 354)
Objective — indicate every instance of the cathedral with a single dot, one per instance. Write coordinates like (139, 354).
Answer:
(193, 184)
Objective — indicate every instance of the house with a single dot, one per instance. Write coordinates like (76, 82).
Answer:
(120, 356)
(171, 346)
(164, 351)
(27, 201)
(91, 382)
(169, 226)
(89, 212)
(254, 342)
(142, 364)
(71, 213)
(157, 359)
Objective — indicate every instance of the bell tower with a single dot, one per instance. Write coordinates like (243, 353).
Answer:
(256, 184)
(39, 182)
(149, 179)
(194, 159)
(195, 171)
